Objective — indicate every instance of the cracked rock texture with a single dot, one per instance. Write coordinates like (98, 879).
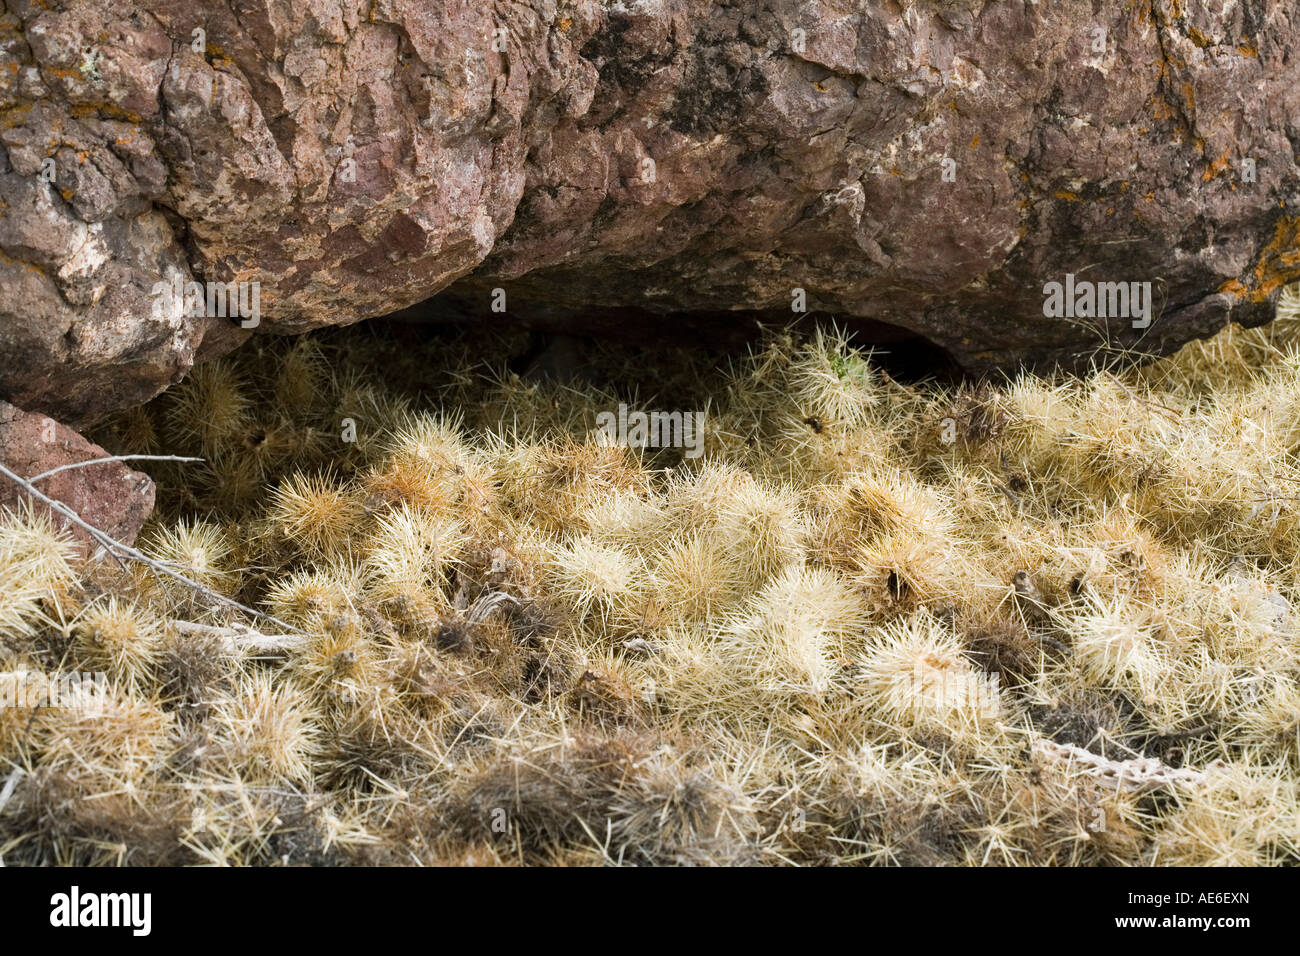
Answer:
(926, 164)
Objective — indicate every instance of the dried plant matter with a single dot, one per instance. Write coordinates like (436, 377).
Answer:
(1035, 622)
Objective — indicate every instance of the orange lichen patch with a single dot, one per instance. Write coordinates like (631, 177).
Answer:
(1278, 265)
(1249, 49)
(565, 23)
(16, 116)
(1160, 109)
(975, 141)
(105, 110)
(63, 73)
(26, 266)
(1216, 168)
(1067, 195)
(1199, 38)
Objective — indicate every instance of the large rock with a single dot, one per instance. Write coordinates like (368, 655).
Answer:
(110, 496)
(928, 164)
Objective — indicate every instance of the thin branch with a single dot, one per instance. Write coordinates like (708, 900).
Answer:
(10, 784)
(100, 461)
(119, 550)
(237, 637)
(1140, 775)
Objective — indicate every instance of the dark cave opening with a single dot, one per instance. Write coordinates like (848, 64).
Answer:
(558, 338)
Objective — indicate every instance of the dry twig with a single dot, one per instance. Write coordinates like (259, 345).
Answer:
(124, 551)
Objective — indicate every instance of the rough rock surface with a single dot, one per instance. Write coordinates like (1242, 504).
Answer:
(111, 496)
(925, 163)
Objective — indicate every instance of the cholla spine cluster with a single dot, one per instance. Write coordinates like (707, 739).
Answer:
(871, 622)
